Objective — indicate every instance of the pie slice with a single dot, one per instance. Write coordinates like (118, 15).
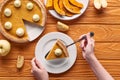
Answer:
(32, 11)
(60, 46)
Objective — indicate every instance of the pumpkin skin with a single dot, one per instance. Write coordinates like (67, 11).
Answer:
(49, 4)
(75, 3)
(57, 8)
(71, 8)
(67, 13)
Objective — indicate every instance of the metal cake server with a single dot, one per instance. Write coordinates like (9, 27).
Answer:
(84, 37)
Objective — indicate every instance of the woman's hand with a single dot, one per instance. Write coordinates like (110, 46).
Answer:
(87, 46)
(38, 70)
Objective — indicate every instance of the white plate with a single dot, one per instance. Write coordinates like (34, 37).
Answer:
(46, 43)
(54, 14)
(33, 30)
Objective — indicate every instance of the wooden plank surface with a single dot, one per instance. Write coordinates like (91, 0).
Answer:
(80, 69)
(102, 51)
(105, 25)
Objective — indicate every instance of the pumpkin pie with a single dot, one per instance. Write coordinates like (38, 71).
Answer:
(13, 13)
(58, 51)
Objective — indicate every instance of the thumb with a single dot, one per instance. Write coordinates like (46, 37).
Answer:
(82, 43)
(39, 64)
(33, 63)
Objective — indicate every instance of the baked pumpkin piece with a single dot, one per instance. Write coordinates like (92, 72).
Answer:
(67, 13)
(58, 51)
(71, 8)
(57, 8)
(49, 4)
(64, 7)
(75, 3)
(12, 16)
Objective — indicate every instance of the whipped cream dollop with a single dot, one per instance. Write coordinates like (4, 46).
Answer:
(29, 6)
(7, 12)
(17, 3)
(58, 52)
(8, 25)
(36, 17)
(20, 32)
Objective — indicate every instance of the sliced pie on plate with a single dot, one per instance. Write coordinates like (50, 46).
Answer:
(58, 51)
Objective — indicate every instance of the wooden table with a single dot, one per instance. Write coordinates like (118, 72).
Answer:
(105, 25)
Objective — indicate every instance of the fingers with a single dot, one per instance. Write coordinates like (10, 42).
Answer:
(31, 71)
(34, 67)
(39, 64)
(33, 63)
(82, 45)
(36, 64)
(86, 41)
(88, 37)
(90, 40)
(82, 36)
(82, 42)
(93, 42)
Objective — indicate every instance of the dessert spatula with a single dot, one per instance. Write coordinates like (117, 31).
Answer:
(84, 37)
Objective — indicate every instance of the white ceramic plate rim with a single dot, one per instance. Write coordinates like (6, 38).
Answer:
(54, 14)
(33, 30)
(45, 44)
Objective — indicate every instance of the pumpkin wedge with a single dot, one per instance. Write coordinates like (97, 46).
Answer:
(49, 4)
(67, 13)
(71, 8)
(75, 3)
(57, 8)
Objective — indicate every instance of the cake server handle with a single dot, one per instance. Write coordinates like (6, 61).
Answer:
(84, 37)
